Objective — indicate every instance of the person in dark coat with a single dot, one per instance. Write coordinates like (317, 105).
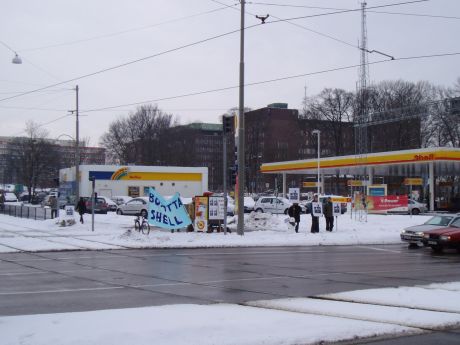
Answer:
(329, 214)
(54, 207)
(81, 208)
(294, 212)
(314, 219)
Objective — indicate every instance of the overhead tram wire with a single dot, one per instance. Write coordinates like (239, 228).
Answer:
(197, 93)
(299, 26)
(194, 44)
(45, 124)
(342, 9)
(131, 62)
(117, 33)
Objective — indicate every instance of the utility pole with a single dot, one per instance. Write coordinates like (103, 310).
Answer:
(240, 148)
(77, 150)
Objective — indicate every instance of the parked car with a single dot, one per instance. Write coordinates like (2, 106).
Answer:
(272, 204)
(249, 204)
(10, 197)
(111, 205)
(414, 234)
(447, 237)
(100, 205)
(136, 206)
(416, 207)
(121, 199)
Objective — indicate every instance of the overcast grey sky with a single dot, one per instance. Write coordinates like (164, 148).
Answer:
(61, 40)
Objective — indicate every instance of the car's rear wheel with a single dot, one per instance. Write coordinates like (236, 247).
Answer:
(415, 211)
(259, 210)
(119, 212)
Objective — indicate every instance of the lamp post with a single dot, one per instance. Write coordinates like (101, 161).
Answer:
(240, 147)
(77, 147)
(318, 132)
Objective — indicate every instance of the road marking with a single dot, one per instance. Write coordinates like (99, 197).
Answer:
(380, 249)
(59, 291)
(20, 273)
(253, 253)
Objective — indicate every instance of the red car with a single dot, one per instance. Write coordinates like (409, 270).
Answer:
(448, 237)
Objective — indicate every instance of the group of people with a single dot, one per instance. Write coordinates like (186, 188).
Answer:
(328, 213)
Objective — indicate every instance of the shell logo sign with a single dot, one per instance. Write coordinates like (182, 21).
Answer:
(119, 174)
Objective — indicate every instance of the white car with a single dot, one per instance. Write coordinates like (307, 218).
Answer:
(10, 197)
(249, 204)
(136, 206)
(416, 207)
(272, 204)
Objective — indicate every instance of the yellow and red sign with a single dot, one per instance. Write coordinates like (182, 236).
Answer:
(408, 181)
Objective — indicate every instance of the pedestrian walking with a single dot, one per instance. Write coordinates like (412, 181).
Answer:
(294, 212)
(81, 208)
(328, 212)
(314, 219)
(54, 207)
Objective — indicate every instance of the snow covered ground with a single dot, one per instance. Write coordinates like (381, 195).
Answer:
(116, 232)
(285, 321)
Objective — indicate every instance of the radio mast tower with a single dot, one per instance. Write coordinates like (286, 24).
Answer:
(362, 118)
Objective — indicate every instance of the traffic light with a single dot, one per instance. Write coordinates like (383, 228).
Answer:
(227, 124)
(233, 175)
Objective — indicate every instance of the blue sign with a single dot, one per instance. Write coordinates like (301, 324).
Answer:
(169, 214)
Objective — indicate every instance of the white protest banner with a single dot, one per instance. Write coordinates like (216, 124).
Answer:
(169, 214)
(294, 195)
(337, 209)
(317, 209)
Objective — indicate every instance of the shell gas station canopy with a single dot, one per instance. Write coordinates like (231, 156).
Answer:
(429, 162)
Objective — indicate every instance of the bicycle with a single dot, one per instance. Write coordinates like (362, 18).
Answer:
(141, 226)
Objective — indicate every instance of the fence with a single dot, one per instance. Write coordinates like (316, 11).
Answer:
(37, 213)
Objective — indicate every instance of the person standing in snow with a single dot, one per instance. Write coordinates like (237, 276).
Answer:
(329, 214)
(81, 208)
(314, 219)
(294, 212)
(54, 206)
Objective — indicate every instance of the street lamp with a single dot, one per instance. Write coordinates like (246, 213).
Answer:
(16, 60)
(318, 132)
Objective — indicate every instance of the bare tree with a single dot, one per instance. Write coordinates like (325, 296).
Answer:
(136, 139)
(33, 159)
(336, 107)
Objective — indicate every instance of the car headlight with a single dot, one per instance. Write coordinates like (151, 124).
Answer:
(419, 233)
(426, 235)
(403, 232)
(445, 238)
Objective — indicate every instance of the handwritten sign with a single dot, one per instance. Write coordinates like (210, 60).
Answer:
(169, 214)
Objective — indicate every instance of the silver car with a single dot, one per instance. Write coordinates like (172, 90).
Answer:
(414, 234)
(136, 206)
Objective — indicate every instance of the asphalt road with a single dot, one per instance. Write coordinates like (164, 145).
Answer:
(51, 282)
